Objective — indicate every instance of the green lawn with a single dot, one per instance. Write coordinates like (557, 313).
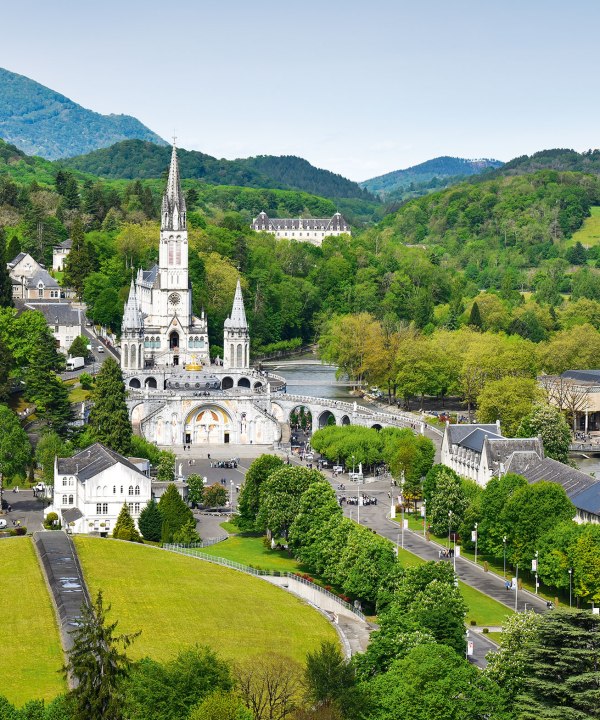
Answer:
(250, 550)
(177, 601)
(495, 637)
(31, 655)
(589, 233)
(78, 394)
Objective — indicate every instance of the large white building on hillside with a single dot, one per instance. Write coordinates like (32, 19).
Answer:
(177, 395)
(311, 230)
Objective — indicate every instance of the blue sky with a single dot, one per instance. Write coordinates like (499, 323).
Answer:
(360, 88)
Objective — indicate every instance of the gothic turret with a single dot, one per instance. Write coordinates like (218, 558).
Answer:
(173, 212)
(236, 338)
(132, 333)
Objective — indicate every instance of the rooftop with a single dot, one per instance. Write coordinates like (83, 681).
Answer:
(93, 460)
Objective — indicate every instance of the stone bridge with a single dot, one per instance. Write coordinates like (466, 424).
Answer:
(325, 411)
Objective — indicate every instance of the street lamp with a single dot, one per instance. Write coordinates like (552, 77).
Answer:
(535, 569)
(449, 524)
(475, 531)
(517, 587)
(231, 495)
(424, 508)
(570, 586)
(504, 543)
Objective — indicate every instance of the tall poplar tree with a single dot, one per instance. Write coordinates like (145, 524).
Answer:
(5, 281)
(109, 417)
(80, 261)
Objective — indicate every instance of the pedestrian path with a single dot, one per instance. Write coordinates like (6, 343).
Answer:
(65, 579)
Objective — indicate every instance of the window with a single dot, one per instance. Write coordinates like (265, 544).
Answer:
(64, 482)
(105, 508)
(114, 489)
(98, 508)
(121, 489)
(64, 499)
(136, 508)
(130, 508)
(98, 490)
(70, 499)
(131, 490)
(137, 489)
(41, 291)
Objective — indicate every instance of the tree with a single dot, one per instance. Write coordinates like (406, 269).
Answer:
(195, 489)
(280, 498)
(269, 686)
(97, 664)
(51, 397)
(562, 672)
(221, 706)
(174, 512)
(509, 400)
(249, 499)
(6, 295)
(125, 528)
(166, 466)
(318, 506)
(6, 365)
(169, 691)
(328, 677)
(15, 450)
(214, 495)
(80, 261)
(508, 666)
(79, 347)
(496, 494)
(187, 534)
(50, 445)
(150, 522)
(448, 504)
(475, 317)
(548, 423)
(530, 512)
(109, 417)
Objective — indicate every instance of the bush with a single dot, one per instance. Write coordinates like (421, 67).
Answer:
(473, 622)
(86, 380)
(485, 631)
(19, 531)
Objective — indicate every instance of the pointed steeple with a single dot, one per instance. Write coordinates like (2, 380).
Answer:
(237, 319)
(132, 317)
(173, 211)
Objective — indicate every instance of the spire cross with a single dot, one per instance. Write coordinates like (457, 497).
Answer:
(174, 138)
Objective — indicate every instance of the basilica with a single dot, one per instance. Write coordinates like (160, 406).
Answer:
(177, 395)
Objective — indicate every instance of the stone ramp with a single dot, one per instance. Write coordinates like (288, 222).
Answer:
(64, 576)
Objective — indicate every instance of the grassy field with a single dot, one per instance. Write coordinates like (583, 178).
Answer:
(250, 550)
(31, 655)
(177, 601)
(589, 233)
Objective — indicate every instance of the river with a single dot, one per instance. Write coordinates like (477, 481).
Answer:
(307, 376)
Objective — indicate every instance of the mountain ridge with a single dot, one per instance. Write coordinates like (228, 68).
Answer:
(40, 121)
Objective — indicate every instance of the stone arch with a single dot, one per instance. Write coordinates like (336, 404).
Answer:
(244, 382)
(376, 426)
(257, 384)
(345, 420)
(150, 382)
(226, 383)
(301, 417)
(134, 383)
(174, 340)
(209, 424)
(326, 418)
(277, 412)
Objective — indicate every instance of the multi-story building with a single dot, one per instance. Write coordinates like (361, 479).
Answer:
(311, 230)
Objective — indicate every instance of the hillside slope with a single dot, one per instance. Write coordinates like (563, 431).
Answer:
(555, 159)
(42, 122)
(134, 159)
(441, 168)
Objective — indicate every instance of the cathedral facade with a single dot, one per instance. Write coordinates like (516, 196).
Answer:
(176, 394)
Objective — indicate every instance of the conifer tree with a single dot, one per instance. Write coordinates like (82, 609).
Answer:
(14, 248)
(5, 281)
(98, 665)
(109, 417)
(125, 528)
(475, 317)
(150, 522)
(79, 263)
(174, 512)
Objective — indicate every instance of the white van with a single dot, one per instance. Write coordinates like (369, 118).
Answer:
(3, 524)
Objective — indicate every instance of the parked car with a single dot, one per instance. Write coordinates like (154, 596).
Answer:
(338, 468)
(100, 348)
(3, 524)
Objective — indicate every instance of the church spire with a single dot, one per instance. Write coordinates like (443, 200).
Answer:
(132, 317)
(173, 212)
(237, 319)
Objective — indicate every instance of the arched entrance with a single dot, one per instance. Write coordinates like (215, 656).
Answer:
(244, 382)
(326, 418)
(345, 420)
(208, 425)
(376, 426)
(174, 340)
(134, 383)
(301, 419)
(227, 383)
(150, 382)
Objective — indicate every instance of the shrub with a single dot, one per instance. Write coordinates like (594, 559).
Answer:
(473, 622)
(485, 631)
(86, 380)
